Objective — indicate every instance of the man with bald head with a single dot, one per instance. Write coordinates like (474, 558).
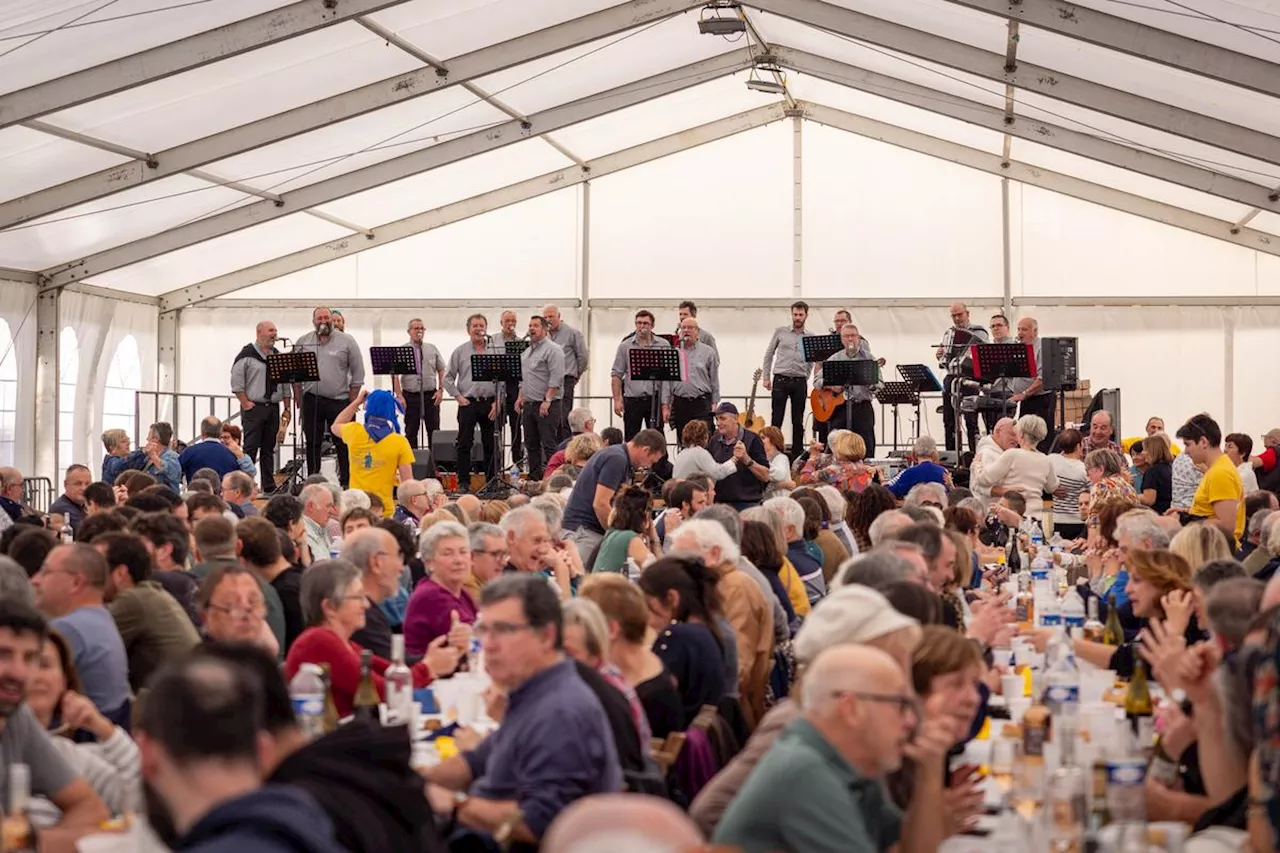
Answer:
(955, 341)
(375, 553)
(622, 822)
(1002, 438)
(260, 400)
(1029, 393)
(1101, 434)
(575, 357)
(820, 789)
(341, 369)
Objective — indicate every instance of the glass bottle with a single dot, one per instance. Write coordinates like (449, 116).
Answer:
(365, 704)
(329, 720)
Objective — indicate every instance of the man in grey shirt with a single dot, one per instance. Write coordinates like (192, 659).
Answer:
(1030, 393)
(511, 392)
(956, 341)
(693, 398)
(637, 401)
(341, 368)
(540, 400)
(478, 402)
(420, 392)
(22, 739)
(786, 374)
(574, 345)
(857, 412)
(689, 309)
(259, 400)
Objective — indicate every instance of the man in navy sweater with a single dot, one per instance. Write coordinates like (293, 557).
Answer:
(925, 470)
(209, 452)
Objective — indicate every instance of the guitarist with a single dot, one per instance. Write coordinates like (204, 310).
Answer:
(633, 400)
(954, 343)
(786, 374)
(857, 410)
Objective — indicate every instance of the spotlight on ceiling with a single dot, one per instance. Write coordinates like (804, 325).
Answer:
(767, 76)
(772, 87)
(721, 19)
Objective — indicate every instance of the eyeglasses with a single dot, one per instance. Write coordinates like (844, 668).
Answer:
(254, 611)
(906, 704)
(500, 554)
(498, 629)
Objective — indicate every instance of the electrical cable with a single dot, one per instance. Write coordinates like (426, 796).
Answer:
(81, 24)
(93, 11)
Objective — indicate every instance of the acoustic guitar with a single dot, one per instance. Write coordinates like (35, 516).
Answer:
(749, 419)
(825, 401)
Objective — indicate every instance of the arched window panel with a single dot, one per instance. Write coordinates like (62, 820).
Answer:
(525, 251)
(1149, 79)
(124, 379)
(452, 28)
(1066, 247)
(113, 221)
(1229, 30)
(222, 255)
(68, 375)
(713, 220)
(884, 222)
(240, 89)
(605, 63)
(8, 395)
(73, 49)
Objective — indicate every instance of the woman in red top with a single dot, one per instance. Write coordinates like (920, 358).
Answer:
(333, 604)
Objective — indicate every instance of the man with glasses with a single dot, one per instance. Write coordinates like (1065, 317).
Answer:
(633, 400)
(420, 393)
(70, 504)
(955, 342)
(234, 610)
(70, 589)
(489, 555)
(860, 720)
(375, 553)
(555, 745)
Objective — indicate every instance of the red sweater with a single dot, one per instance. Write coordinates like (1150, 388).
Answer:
(320, 645)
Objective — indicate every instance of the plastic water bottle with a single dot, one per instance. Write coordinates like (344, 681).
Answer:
(1040, 566)
(1050, 610)
(398, 681)
(1057, 544)
(1062, 682)
(1073, 612)
(306, 691)
(1036, 535)
(1126, 794)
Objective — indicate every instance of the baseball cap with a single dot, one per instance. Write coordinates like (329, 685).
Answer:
(850, 615)
(726, 408)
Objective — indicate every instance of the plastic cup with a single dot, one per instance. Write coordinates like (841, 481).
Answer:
(1011, 687)
(1018, 707)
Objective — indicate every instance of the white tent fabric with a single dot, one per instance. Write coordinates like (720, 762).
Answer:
(482, 152)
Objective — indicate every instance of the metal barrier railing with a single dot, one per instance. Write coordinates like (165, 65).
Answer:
(37, 493)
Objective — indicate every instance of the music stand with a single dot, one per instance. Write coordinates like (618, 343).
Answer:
(896, 394)
(673, 339)
(922, 378)
(393, 361)
(820, 348)
(293, 368)
(863, 372)
(516, 347)
(498, 368)
(654, 364)
(1003, 361)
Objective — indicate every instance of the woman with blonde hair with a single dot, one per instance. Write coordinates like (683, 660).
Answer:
(493, 511)
(847, 472)
(779, 466)
(1199, 543)
(788, 575)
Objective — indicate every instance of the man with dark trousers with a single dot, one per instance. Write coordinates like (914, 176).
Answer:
(786, 374)
(511, 393)
(573, 343)
(1029, 394)
(420, 392)
(638, 401)
(692, 398)
(955, 341)
(477, 401)
(259, 400)
(341, 368)
(540, 401)
(856, 411)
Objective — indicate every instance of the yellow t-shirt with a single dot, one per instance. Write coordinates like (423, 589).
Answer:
(375, 465)
(1220, 483)
(1128, 444)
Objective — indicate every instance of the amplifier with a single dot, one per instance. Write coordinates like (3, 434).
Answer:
(1059, 365)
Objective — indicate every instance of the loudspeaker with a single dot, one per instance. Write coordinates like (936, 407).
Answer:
(424, 467)
(1059, 365)
(445, 442)
(1108, 399)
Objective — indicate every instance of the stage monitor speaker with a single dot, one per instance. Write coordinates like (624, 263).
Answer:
(1108, 400)
(424, 467)
(1059, 365)
(445, 444)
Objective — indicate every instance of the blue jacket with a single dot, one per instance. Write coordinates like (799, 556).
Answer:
(212, 453)
(272, 819)
(924, 472)
(114, 466)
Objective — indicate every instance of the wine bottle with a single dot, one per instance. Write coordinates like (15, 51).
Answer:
(1138, 709)
(329, 719)
(365, 704)
(1113, 633)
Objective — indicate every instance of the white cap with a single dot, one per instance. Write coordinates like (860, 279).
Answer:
(850, 615)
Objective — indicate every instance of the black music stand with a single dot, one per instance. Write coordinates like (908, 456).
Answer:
(863, 372)
(674, 339)
(820, 348)
(654, 364)
(399, 361)
(897, 394)
(924, 381)
(517, 347)
(498, 368)
(960, 339)
(1003, 361)
(293, 368)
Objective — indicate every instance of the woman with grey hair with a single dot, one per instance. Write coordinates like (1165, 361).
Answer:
(334, 605)
(440, 606)
(1022, 469)
(14, 585)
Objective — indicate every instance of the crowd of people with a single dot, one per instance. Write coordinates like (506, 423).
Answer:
(760, 655)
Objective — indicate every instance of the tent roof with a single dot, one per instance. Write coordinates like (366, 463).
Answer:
(188, 149)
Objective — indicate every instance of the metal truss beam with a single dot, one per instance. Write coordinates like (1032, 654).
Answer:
(391, 304)
(1031, 78)
(754, 303)
(414, 163)
(346, 105)
(1032, 130)
(194, 51)
(458, 211)
(24, 276)
(118, 295)
(1137, 39)
(1053, 181)
(48, 334)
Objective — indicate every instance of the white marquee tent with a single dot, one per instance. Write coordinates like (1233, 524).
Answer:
(172, 171)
